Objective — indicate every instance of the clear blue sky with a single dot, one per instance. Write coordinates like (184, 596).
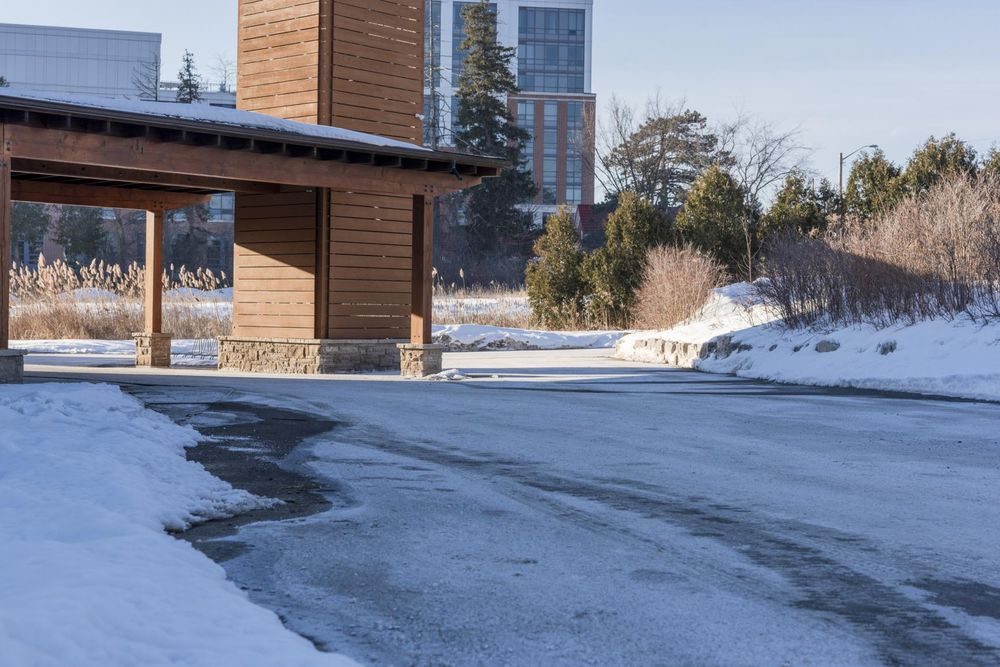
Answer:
(846, 72)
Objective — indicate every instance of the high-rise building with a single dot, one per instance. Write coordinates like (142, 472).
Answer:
(556, 104)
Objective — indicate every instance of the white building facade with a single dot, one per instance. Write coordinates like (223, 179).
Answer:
(76, 60)
(554, 42)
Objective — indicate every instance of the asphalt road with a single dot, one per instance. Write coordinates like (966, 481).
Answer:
(577, 510)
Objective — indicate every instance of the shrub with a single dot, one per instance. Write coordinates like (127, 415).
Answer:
(555, 278)
(675, 286)
(614, 272)
(933, 255)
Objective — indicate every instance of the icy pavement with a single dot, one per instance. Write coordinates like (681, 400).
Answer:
(566, 508)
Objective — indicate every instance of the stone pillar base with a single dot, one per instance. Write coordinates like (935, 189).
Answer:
(419, 361)
(152, 350)
(12, 366)
(306, 356)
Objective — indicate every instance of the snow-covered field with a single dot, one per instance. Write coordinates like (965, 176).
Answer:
(89, 480)
(737, 334)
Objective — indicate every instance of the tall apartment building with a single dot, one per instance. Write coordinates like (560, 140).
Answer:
(556, 104)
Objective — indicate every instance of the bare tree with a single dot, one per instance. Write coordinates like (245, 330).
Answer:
(225, 72)
(146, 79)
(762, 157)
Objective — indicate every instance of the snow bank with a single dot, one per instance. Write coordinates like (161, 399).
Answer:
(89, 479)
(736, 333)
(474, 337)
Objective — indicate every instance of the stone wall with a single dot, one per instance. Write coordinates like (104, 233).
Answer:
(11, 366)
(419, 361)
(306, 356)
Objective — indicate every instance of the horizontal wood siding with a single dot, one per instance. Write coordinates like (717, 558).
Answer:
(278, 58)
(274, 270)
(377, 71)
(370, 260)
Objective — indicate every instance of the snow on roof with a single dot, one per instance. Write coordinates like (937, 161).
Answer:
(204, 113)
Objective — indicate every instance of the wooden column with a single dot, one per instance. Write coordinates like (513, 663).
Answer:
(421, 284)
(153, 304)
(5, 237)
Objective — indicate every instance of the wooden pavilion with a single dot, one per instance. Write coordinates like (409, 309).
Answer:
(319, 224)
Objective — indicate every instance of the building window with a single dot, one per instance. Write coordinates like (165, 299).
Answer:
(526, 121)
(221, 208)
(432, 68)
(574, 152)
(550, 149)
(551, 53)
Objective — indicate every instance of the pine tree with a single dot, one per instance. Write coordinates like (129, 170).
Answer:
(713, 220)
(555, 277)
(80, 231)
(991, 163)
(614, 272)
(874, 186)
(189, 81)
(937, 160)
(3, 82)
(797, 206)
(486, 126)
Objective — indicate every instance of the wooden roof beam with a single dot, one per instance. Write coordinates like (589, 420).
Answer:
(48, 192)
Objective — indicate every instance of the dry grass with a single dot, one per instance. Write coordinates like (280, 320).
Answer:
(104, 302)
(490, 305)
(933, 256)
(675, 286)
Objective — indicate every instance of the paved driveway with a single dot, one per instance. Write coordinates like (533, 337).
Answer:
(565, 508)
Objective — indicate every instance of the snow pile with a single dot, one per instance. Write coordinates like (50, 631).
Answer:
(451, 375)
(89, 479)
(736, 333)
(475, 337)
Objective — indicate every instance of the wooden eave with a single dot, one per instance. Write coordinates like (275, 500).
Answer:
(54, 144)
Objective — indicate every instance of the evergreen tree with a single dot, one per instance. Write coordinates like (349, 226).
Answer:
(797, 206)
(874, 186)
(486, 126)
(615, 271)
(713, 220)
(29, 223)
(189, 81)
(936, 160)
(555, 277)
(3, 82)
(991, 163)
(80, 231)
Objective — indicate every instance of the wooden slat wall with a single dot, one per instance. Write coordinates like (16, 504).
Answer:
(356, 64)
(278, 58)
(378, 65)
(370, 259)
(275, 265)
(377, 87)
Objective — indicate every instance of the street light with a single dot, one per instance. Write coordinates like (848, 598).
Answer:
(845, 158)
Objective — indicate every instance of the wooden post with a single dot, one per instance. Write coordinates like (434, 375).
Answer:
(5, 236)
(423, 265)
(153, 304)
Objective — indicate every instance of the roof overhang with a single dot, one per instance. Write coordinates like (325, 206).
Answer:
(73, 143)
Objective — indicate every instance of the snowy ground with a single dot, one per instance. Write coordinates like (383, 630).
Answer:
(565, 508)
(958, 358)
(90, 480)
